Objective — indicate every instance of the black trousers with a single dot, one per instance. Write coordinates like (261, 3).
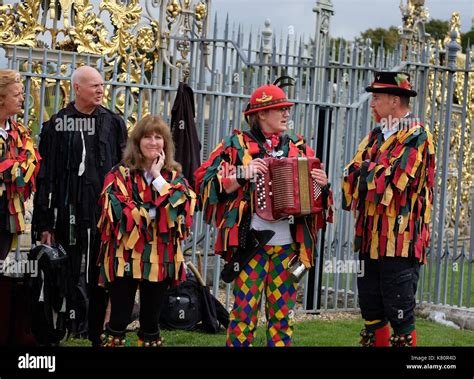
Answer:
(15, 313)
(122, 296)
(387, 288)
(5, 242)
(87, 245)
(98, 296)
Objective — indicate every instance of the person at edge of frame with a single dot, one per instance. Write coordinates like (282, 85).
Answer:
(389, 187)
(19, 166)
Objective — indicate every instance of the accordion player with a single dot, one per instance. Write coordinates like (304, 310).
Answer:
(288, 189)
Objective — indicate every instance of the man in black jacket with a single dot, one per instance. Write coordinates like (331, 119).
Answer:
(79, 145)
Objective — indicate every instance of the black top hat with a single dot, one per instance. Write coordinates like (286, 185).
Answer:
(394, 83)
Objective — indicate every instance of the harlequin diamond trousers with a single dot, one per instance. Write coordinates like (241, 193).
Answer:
(267, 273)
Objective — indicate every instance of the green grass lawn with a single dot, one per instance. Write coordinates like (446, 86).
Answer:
(315, 333)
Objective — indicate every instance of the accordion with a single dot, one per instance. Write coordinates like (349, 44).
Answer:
(287, 189)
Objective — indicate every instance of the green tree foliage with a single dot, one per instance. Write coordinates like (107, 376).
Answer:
(467, 38)
(337, 44)
(437, 29)
(389, 36)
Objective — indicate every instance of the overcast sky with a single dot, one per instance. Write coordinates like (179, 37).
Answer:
(350, 18)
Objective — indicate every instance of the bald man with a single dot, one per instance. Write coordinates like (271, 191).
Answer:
(79, 145)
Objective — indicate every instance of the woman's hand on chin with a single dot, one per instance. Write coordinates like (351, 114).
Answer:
(157, 165)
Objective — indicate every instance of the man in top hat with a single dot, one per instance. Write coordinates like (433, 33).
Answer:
(225, 182)
(389, 186)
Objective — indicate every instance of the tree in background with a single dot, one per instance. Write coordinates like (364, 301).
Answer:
(467, 38)
(337, 44)
(390, 37)
(437, 29)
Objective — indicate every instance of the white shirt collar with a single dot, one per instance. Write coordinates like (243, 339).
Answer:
(4, 132)
(148, 177)
(389, 130)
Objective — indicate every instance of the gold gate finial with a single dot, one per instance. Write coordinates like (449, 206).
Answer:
(454, 25)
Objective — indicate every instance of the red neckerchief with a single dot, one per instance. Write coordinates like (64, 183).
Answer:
(274, 137)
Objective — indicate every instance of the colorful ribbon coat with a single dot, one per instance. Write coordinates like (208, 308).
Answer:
(134, 244)
(19, 165)
(389, 186)
(226, 211)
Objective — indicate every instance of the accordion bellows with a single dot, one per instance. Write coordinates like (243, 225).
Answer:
(288, 189)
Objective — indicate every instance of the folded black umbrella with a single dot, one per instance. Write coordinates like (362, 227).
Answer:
(257, 239)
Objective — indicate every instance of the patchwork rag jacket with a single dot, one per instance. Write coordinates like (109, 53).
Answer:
(132, 242)
(389, 186)
(227, 211)
(19, 165)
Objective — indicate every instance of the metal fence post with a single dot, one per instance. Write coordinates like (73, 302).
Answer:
(451, 51)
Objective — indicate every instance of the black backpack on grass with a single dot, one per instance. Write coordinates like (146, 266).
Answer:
(49, 289)
(190, 305)
(181, 308)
